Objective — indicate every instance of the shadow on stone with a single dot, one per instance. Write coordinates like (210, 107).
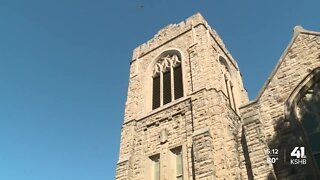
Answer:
(289, 134)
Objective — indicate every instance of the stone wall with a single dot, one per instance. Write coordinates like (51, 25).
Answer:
(219, 140)
(299, 59)
(200, 47)
(203, 122)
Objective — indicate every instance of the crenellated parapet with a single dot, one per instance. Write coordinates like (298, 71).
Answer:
(173, 31)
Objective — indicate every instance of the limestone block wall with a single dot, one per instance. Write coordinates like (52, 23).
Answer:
(205, 105)
(200, 48)
(206, 109)
(204, 154)
(139, 94)
(299, 59)
(224, 124)
(176, 121)
(255, 143)
(122, 171)
(244, 158)
(302, 56)
(211, 112)
(217, 49)
(218, 140)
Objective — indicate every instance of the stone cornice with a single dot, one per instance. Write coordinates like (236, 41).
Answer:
(163, 108)
(201, 131)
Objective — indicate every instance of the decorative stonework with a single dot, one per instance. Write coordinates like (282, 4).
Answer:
(165, 63)
(163, 136)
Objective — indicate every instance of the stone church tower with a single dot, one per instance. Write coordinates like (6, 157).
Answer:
(182, 111)
(188, 117)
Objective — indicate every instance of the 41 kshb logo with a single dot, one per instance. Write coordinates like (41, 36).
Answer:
(298, 156)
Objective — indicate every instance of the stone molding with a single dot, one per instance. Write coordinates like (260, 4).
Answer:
(201, 131)
(123, 159)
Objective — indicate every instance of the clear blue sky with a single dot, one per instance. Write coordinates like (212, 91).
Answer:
(64, 72)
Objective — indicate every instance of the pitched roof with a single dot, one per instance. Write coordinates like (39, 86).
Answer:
(297, 30)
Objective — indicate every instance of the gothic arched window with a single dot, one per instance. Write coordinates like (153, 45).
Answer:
(308, 109)
(228, 83)
(167, 80)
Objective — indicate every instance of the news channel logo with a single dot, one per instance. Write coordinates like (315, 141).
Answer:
(298, 156)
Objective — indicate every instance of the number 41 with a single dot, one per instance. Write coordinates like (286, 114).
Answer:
(298, 153)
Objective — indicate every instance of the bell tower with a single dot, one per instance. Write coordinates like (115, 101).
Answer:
(181, 118)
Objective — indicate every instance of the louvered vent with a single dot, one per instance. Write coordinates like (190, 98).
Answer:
(166, 87)
(178, 87)
(156, 93)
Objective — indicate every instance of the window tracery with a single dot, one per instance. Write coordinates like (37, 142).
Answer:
(167, 80)
(308, 113)
(164, 64)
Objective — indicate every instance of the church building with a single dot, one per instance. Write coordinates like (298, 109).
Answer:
(188, 116)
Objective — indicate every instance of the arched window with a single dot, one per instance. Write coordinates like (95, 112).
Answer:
(228, 83)
(167, 80)
(301, 127)
(308, 113)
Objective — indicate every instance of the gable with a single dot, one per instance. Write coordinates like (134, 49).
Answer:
(301, 56)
